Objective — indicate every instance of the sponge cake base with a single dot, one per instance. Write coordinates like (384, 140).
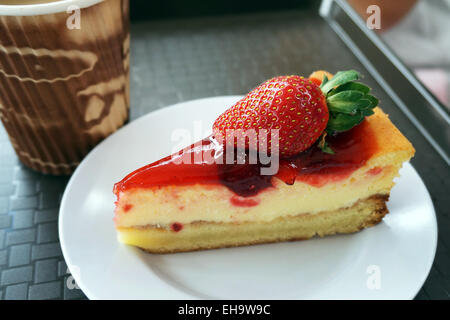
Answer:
(201, 235)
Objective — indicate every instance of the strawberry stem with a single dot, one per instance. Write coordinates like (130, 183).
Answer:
(324, 145)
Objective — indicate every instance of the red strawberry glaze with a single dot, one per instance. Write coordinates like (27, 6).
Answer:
(127, 207)
(176, 227)
(352, 149)
(375, 171)
(243, 202)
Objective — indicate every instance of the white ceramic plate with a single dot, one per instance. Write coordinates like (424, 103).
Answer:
(389, 261)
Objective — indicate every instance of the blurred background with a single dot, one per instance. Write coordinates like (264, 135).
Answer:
(418, 31)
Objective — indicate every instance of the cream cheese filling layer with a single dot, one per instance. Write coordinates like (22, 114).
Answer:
(187, 204)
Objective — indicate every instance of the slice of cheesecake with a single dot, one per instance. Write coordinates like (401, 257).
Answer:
(171, 207)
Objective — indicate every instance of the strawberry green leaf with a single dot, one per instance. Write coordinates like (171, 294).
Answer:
(374, 101)
(344, 122)
(348, 101)
(345, 101)
(350, 86)
(325, 80)
(363, 104)
(340, 78)
(367, 112)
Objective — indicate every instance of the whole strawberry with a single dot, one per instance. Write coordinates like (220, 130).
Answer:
(292, 104)
(299, 109)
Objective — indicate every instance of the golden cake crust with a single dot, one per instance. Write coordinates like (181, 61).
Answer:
(388, 137)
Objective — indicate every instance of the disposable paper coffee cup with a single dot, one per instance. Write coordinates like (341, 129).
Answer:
(64, 78)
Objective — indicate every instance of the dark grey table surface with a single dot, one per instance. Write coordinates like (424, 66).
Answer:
(179, 60)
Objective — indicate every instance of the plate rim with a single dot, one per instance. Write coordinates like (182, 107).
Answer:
(169, 108)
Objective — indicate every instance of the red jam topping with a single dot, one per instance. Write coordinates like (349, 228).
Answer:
(127, 207)
(375, 171)
(243, 202)
(176, 226)
(352, 149)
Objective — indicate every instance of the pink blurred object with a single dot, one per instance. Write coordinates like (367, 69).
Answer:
(437, 81)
